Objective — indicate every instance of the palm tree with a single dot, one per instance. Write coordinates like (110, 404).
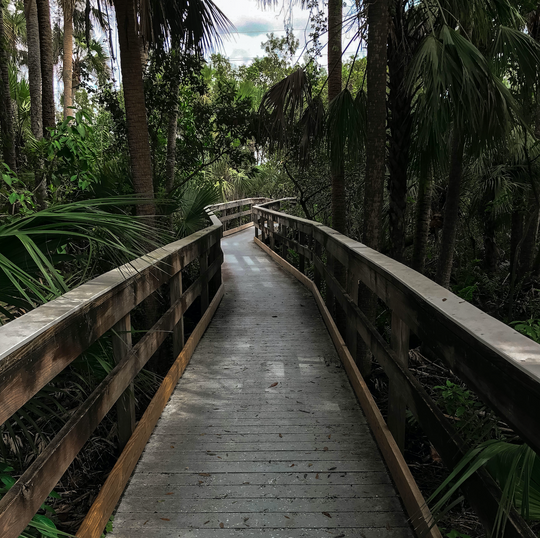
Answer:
(6, 112)
(67, 71)
(335, 24)
(34, 67)
(46, 59)
(197, 25)
(377, 20)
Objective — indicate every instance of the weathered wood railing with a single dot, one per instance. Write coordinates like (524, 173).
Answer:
(236, 215)
(499, 364)
(36, 347)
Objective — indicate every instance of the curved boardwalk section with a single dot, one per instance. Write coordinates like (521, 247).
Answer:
(263, 435)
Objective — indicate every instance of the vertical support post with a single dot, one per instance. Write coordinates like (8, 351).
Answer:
(271, 232)
(284, 247)
(256, 221)
(214, 254)
(317, 277)
(176, 290)
(330, 299)
(302, 259)
(352, 333)
(225, 223)
(396, 404)
(125, 406)
(203, 262)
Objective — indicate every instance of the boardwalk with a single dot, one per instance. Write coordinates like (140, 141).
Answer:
(263, 435)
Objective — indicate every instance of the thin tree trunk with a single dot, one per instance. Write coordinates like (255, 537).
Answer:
(67, 72)
(491, 257)
(137, 126)
(6, 112)
(335, 22)
(399, 123)
(376, 121)
(46, 59)
(377, 19)
(34, 67)
(451, 211)
(171, 143)
(421, 230)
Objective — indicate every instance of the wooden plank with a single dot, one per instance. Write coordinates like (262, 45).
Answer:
(176, 290)
(39, 345)
(125, 406)
(480, 489)
(208, 440)
(23, 500)
(405, 483)
(235, 215)
(110, 493)
(238, 229)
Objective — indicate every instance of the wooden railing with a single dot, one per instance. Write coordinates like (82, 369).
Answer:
(236, 215)
(36, 347)
(499, 364)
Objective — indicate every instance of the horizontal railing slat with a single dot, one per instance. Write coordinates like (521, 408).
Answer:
(36, 347)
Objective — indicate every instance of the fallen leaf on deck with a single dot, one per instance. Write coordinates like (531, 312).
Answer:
(273, 385)
(317, 476)
(221, 525)
(204, 474)
(280, 435)
(327, 515)
(170, 493)
(325, 448)
(164, 518)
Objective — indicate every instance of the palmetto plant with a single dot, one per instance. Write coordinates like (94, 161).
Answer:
(31, 247)
(515, 467)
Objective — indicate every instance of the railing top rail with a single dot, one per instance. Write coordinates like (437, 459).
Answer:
(236, 203)
(20, 331)
(502, 364)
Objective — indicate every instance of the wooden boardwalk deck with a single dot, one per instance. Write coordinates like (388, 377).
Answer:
(263, 436)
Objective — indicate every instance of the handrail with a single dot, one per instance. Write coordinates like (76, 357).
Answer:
(499, 364)
(36, 347)
(227, 217)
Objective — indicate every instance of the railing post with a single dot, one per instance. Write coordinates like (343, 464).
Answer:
(317, 250)
(330, 299)
(256, 222)
(176, 290)
(352, 333)
(284, 247)
(203, 263)
(125, 406)
(225, 222)
(302, 259)
(271, 232)
(213, 254)
(396, 403)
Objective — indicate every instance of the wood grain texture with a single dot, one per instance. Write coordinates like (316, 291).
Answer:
(110, 493)
(264, 403)
(39, 345)
(410, 494)
(499, 364)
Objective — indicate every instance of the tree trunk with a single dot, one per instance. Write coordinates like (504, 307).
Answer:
(399, 122)
(491, 257)
(137, 126)
(451, 211)
(377, 19)
(335, 22)
(421, 230)
(46, 59)
(6, 112)
(34, 67)
(171, 144)
(67, 72)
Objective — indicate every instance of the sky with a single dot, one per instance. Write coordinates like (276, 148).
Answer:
(252, 23)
